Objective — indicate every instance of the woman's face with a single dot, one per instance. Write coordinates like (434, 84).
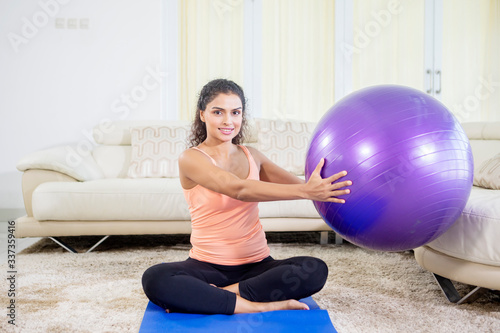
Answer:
(223, 117)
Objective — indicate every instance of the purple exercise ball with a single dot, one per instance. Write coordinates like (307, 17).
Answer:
(408, 158)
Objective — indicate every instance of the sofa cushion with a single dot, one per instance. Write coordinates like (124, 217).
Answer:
(474, 236)
(135, 199)
(111, 199)
(484, 140)
(118, 132)
(285, 142)
(156, 150)
(288, 208)
(69, 160)
(114, 161)
(487, 175)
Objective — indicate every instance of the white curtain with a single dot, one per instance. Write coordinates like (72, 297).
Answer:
(298, 59)
(298, 52)
(211, 47)
(471, 58)
(491, 107)
(388, 43)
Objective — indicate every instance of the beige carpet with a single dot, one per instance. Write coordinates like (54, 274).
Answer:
(101, 291)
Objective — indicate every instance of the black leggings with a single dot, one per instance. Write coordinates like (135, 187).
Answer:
(185, 286)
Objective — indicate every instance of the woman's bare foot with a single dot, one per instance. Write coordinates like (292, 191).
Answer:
(290, 304)
(246, 306)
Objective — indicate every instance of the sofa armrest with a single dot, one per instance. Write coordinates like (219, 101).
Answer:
(65, 160)
(33, 177)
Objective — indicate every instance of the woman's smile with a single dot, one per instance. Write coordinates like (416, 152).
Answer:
(226, 130)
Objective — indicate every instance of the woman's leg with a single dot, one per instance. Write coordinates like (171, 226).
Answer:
(188, 286)
(278, 280)
(185, 287)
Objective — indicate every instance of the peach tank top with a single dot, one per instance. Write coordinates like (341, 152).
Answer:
(226, 231)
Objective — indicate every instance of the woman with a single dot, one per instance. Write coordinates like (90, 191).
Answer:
(229, 269)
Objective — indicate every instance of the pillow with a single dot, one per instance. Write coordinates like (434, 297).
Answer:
(155, 151)
(285, 142)
(64, 159)
(488, 174)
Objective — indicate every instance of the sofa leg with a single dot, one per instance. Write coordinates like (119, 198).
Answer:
(452, 294)
(97, 244)
(323, 237)
(63, 245)
(72, 250)
(338, 239)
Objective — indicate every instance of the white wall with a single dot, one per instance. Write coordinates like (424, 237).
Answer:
(65, 65)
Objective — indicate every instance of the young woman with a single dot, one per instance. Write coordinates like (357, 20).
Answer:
(229, 269)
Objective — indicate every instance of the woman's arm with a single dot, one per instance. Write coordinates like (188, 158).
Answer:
(196, 168)
(270, 172)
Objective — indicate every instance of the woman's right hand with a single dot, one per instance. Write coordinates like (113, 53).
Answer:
(326, 189)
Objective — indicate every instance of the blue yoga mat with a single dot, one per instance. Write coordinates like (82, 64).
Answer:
(314, 320)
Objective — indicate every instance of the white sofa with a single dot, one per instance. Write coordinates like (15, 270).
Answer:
(469, 252)
(75, 190)
(126, 182)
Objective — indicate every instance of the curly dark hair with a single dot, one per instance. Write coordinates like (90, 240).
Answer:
(208, 94)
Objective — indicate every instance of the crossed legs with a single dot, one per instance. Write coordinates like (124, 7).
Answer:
(188, 286)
